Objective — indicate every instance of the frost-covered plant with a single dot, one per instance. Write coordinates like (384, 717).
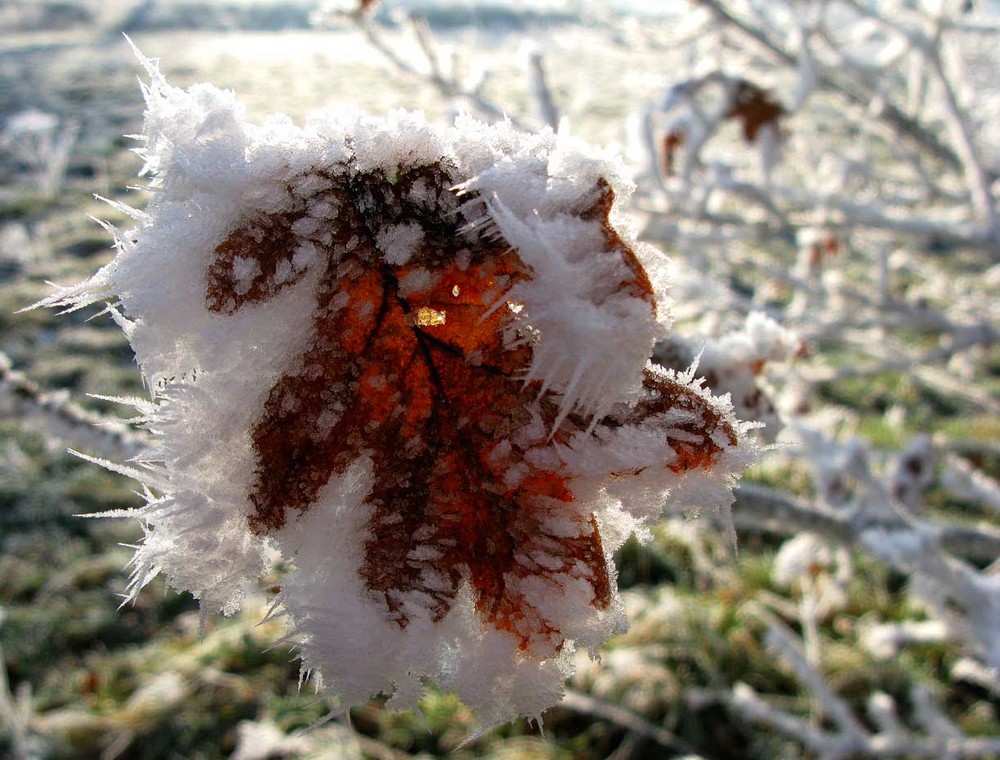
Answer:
(35, 139)
(735, 364)
(693, 110)
(413, 363)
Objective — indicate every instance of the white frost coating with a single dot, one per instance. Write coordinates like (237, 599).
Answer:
(245, 271)
(658, 490)
(340, 628)
(761, 340)
(210, 370)
(801, 557)
(399, 242)
(735, 364)
(593, 338)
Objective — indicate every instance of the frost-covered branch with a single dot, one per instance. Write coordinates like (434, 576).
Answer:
(963, 480)
(760, 508)
(55, 413)
(928, 47)
(38, 140)
(934, 735)
(541, 91)
(903, 124)
(878, 513)
(447, 85)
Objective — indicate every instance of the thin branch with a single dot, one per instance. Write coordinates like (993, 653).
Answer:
(447, 86)
(889, 113)
(967, 152)
(584, 703)
(541, 90)
(64, 418)
(761, 508)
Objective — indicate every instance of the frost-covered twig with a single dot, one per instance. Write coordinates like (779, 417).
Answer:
(935, 735)
(886, 640)
(967, 669)
(761, 508)
(880, 519)
(55, 413)
(541, 91)
(966, 482)
(905, 125)
(929, 48)
(448, 86)
(37, 140)
(585, 704)
(965, 599)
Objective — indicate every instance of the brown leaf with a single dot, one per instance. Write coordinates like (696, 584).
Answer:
(671, 142)
(754, 108)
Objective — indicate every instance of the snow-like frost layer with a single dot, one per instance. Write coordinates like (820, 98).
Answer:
(210, 373)
(346, 637)
(593, 339)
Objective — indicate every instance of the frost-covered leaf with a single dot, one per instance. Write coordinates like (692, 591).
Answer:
(754, 108)
(734, 364)
(413, 362)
